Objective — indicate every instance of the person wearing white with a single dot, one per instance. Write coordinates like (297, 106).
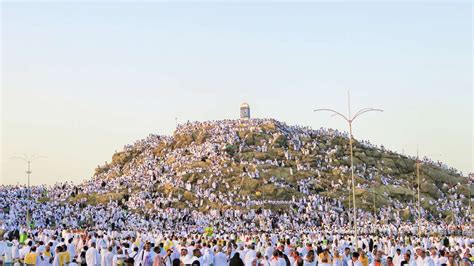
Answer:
(276, 260)
(220, 258)
(109, 255)
(146, 256)
(169, 257)
(434, 256)
(249, 256)
(397, 259)
(119, 258)
(269, 250)
(92, 256)
(56, 261)
(102, 247)
(208, 257)
(25, 250)
(355, 260)
(134, 255)
(42, 260)
(7, 253)
(185, 257)
(422, 259)
(71, 248)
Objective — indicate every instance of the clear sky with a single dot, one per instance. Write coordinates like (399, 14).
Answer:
(80, 80)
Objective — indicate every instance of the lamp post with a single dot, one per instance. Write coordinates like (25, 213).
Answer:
(28, 160)
(349, 196)
(350, 119)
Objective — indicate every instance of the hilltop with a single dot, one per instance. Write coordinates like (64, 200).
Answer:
(266, 163)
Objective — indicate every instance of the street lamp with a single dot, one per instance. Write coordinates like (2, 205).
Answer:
(349, 197)
(28, 160)
(349, 119)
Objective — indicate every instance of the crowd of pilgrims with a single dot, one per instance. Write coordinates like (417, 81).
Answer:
(148, 220)
(251, 248)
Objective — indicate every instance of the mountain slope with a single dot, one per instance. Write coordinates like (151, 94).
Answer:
(263, 162)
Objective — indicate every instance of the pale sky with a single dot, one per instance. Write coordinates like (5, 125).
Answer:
(81, 80)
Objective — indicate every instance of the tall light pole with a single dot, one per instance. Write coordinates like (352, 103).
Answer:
(349, 196)
(28, 160)
(349, 214)
(350, 119)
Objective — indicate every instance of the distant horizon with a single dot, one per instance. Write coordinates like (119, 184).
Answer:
(80, 80)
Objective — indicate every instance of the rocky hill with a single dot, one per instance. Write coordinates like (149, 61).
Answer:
(265, 163)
